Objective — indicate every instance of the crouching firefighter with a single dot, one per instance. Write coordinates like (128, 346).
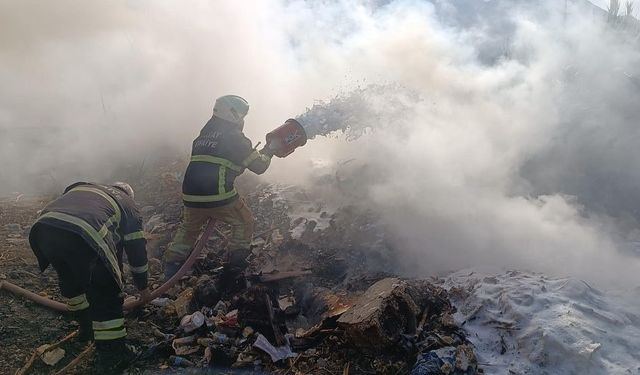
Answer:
(82, 234)
(219, 154)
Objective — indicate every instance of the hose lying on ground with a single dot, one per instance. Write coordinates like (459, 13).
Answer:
(44, 301)
(58, 306)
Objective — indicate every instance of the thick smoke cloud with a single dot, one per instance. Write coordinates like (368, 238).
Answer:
(507, 157)
(89, 86)
(513, 121)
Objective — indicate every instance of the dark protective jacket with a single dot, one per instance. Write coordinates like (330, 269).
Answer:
(107, 219)
(219, 155)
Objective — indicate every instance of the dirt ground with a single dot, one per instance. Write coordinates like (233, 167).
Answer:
(25, 325)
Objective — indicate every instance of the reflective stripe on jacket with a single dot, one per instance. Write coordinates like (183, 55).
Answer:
(219, 154)
(107, 219)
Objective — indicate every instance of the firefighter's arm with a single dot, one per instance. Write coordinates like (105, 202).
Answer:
(135, 246)
(256, 161)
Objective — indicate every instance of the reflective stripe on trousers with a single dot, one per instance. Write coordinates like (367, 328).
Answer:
(109, 330)
(78, 303)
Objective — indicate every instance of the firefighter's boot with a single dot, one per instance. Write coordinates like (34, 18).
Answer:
(112, 356)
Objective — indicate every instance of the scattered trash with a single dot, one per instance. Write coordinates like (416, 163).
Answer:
(219, 338)
(446, 361)
(155, 224)
(190, 323)
(207, 355)
(247, 331)
(182, 302)
(206, 292)
(155, 266)
(182, 345)
(381, 315)
(220, 307)
(244, 360)
(319, 288)
(285, 302)
(160, 301)
(276, 353)
(50, 357)
(206, 341)
(157, 333)
(180, 361)
(447, 320)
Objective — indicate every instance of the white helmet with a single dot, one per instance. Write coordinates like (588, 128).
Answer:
(124, 187)
(231, 108)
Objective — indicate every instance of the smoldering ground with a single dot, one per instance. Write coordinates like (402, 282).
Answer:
(507, 139)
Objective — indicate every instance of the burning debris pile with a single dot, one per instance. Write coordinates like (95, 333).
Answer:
(320, 298)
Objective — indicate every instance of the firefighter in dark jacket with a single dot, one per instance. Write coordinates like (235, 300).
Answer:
(82, 234)
(219, 154)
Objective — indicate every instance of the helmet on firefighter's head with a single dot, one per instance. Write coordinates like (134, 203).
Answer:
(231, 108)
(124, 187)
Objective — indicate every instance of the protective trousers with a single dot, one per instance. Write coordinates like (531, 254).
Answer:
(84, 281)
(236, 214)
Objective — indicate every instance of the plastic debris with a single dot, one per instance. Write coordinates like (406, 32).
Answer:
(247, 331)
(181, 346)
(220, 307)
(190, 323)
(180, 361)
(219, 338)
(159, 334)
(231, 319)
(276, 353)
(285, 302)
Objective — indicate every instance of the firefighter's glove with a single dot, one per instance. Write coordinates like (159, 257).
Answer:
(266, 151)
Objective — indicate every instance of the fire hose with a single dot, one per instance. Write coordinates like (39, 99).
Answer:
(128, 305)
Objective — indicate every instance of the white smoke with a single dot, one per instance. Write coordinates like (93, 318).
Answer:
(464, 177)
(467, 148)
